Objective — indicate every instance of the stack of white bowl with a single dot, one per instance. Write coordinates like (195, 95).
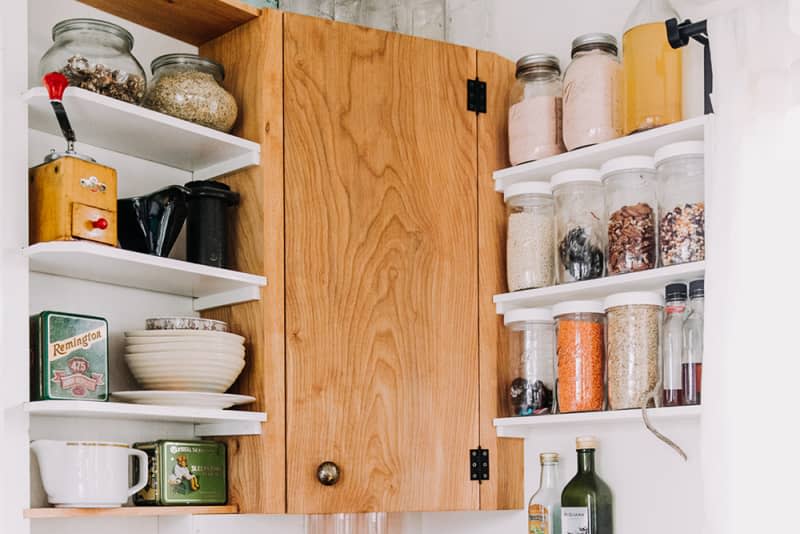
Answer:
(185, 354)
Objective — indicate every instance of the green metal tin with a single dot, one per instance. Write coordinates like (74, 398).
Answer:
(69, 357)
(184, 472)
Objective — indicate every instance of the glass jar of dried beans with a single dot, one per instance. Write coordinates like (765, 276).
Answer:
(532, 352)
(631, 202)
(580, 355)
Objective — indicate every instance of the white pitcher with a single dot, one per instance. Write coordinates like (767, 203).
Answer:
(87, 474)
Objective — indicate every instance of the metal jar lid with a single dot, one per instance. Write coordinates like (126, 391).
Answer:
(537, 64)
(191, 61)
(590, 41)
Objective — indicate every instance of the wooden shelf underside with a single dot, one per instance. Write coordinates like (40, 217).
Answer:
(128, 511)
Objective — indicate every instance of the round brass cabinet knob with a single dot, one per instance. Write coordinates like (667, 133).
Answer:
(328, 473)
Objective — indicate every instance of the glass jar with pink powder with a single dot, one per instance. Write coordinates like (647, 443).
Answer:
(534, 118)
(593, 92)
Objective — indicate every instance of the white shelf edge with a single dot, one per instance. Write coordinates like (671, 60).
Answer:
(207, 422)
(690, 129)
(593, 289)
(521, 427)
(226, 167)
(245, 287)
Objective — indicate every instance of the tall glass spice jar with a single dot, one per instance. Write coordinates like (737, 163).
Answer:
(693, 344)
(97, 56)
(534, 118)
(530, 236)
(633, 320)
(580, 226)
(631, 201)
(532, 352)
(672, 344)
(593, 92)
(653, 69)
(580, 355)
(681, 188)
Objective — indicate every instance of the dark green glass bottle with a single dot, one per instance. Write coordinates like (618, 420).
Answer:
(586, 502)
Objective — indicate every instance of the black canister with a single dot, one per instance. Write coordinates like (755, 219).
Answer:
(207, 222)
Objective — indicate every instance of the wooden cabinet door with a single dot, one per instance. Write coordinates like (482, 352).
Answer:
(381, 269)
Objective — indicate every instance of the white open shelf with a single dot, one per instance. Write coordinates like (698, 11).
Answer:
(142, 133)
(211, 287)
(651, 280)
(520, 427)
(207, 422)
(642, 143)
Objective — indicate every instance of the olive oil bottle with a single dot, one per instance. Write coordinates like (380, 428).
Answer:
(586, 502)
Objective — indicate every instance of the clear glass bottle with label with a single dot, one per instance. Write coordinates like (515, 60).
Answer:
(544, 508)
(586, 502)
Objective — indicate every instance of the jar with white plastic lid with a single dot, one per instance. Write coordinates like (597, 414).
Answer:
(535, 115)
(593, 92)
(580, 355)
(580, 225)
(681, 200)
(530, 235)
(532, 357)
(631, 198)
(633, 321)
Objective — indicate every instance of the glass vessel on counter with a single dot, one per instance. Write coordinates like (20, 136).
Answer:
(653, 69)
(580, 355)
(633, 320)
(188, 87)
(672, 344)
(631, 201)
(580, 226)
(532, 353)
(96, 55)
(681, 187)
(544, 507)
(587, 505)
(692, 368)
(593, 92)
(534, 118)
(530, 236)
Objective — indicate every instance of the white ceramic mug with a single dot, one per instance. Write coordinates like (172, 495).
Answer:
(87, 474)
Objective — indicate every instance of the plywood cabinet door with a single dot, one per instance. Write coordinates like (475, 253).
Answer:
(381, 269)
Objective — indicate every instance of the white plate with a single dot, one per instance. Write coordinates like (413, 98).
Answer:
(187, 358)
(218, 401)
(199, 334)
(135, 340)
(183, 347)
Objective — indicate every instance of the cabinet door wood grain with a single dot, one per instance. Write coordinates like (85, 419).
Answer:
(381, 269)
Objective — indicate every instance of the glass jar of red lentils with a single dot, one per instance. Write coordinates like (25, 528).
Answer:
(580, 353)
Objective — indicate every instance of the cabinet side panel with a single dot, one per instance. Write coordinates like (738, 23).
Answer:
(381, 310)
(253, 59)
(506, 478)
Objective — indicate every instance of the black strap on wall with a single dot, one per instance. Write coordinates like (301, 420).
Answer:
(679, 35)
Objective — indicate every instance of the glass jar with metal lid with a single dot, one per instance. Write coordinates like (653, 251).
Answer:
(681, 188)
(580, 229)
(630, 189)
(534, 119)
(188, 87)
(532, 359)
(96, 55)
(593, 99)
(530, 236)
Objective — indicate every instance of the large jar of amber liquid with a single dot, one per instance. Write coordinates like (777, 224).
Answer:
(653, 69)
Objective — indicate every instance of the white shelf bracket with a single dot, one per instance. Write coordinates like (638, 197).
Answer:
(236, 296)
(230, 428)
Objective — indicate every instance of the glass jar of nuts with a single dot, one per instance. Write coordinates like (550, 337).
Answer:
(96, 55)
(187, 86)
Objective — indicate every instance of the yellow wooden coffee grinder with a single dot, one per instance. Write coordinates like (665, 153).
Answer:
(71, 196)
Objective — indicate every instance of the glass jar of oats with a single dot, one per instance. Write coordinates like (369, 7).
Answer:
(633, 321)
(530, 236)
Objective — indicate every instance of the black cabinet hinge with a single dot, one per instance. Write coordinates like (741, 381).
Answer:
(479, 464)
(476, 96)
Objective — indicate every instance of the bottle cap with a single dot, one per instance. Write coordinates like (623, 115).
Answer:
(548, 458)
(536, 63)
(585, 442)
(588, 41)
(697, 288)
(675, 291)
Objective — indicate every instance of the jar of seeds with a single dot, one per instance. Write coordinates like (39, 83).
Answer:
(633, 321)
(96, 55)
(681, 187)
(530, 237)
(630, 198)
(188, 87)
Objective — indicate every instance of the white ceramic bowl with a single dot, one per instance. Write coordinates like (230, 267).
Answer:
(179, 347)
(140, 340)
(212, 373)
(185, 323)
(186, 359)
(205, 335)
